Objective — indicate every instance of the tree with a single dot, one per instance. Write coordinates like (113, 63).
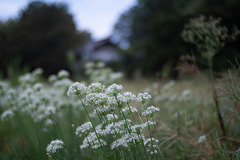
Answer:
(42, 35)
(154, 29)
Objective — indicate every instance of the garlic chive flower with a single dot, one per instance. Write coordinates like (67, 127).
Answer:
(149, 123)
(96, 99)
(76, 89)
(63, 74)
(117, 127)
(202, 139)
(37, 72)
(152, 145)
(38, 86)
(126, 97)
(129, 96)
(138, 128)
(54, 146)
(83, 129)
(6, 115)
(103, 109)
(62, 83)
(96, 88)
(129, 109)
(150, 110)
(52, 78)
(112, 101)
(143, 97)
(92, 141)
(112, 117)
(114, 89)
(126, 139)
(50, 110)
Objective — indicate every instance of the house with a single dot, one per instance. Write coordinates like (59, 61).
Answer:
(104, 50)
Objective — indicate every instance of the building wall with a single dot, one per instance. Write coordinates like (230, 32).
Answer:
(106, 54)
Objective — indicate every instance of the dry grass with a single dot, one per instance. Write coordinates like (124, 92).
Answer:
(182, 123)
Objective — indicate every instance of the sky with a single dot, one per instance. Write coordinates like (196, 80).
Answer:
(96, 16)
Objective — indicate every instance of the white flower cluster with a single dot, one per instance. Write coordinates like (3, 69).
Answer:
(76, 89)
(112, 106)
(126, 139)
(168, 93)
(208, 35)
(6, 115)
(30, 78)
(96, 88)
(126, 97)
(54, 146)
(104, 109)
(115, 128)
(152, 144)
(92, 140)
(129, 110)
(97, 72)
(137, 128)
(150, 110)
(202, 139)
(143, 97)
(83, 129)
(112, 117)
(33, 98)
(114, 89)
(63, 74)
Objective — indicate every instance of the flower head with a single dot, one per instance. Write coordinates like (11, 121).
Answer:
(114, 89)
(7, 114)
(63, 74)
(201, 139)
(143, 97)
(84, 128)
(96, 88)
(54, 146)
(112, 117)
(129, 109)
(150, 110)
(77, 89)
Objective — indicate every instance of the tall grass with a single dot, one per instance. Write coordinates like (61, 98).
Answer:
(185, 116)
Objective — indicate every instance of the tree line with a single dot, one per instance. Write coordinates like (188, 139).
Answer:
(151, 29)
(40, 37)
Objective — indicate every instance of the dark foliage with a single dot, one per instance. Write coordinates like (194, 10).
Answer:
(153, 27)
(40, 37)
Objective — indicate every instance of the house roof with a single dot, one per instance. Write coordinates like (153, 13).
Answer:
(103, 43)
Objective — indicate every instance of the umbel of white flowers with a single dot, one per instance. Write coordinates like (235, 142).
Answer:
(112, 106)
(208, 35)
(36, 99)
(54, 146)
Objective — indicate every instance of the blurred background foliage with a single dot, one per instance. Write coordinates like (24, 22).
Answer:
(148, 35)
(40, 37)
(152, 30)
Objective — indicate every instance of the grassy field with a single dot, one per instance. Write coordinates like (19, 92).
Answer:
(33, 113)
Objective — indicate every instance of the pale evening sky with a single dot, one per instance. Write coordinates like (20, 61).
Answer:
(96, 16)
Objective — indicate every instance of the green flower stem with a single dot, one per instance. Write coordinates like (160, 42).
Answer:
(138, 134)
(219, 115)
(98, 115)
(129, 131)
(92, 124)
(149, 129)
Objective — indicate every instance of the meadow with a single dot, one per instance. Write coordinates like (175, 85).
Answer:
(134, 119)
